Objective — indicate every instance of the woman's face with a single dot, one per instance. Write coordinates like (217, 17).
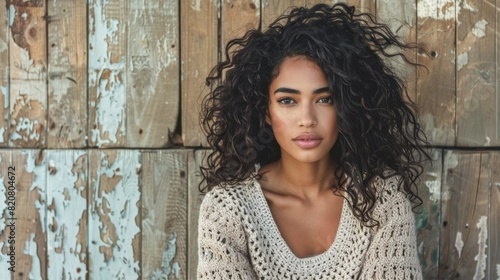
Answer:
(301, 111)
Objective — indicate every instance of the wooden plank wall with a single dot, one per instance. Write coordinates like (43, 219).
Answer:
(99, 131)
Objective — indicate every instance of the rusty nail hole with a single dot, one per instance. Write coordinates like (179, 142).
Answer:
(183, 174)
(53, 45)
(140, 131)
(78, 270)
(172, 46)
(445, 223)
(252, 6)
(434, 54)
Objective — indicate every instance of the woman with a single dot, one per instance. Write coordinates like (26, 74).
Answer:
(316, 154)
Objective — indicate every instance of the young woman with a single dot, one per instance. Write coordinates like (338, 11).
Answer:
(316, 154)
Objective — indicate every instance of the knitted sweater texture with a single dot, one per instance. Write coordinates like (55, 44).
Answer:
(238, 239)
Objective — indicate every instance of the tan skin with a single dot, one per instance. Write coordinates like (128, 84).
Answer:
(298, 187)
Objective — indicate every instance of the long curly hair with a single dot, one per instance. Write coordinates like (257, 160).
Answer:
(376, 120)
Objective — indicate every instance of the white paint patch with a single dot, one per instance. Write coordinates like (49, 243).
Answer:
(24, 16)
(459, 244)
(31, 249)
(434, 187)
(481, 255)
(122, 201)
(479, 29)
(111, 92)
(12, 14)
(66, 195)
(39, 183)
(196, 5)
(498, 271)
(467, 6)
(2, 140)
(438, 9)
(463, 59)
(168, 268)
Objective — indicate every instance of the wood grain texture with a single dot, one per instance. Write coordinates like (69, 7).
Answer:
(195, 197)
(28, 73)
(436, 87)
(476, 65)
(199, 37)
(67, 214)
(67, 69)
(152, 72)
(4, 77)
(107, 72)
(427, 220)
(465, 206)
(271, 9)
(114, 234)
(31, 197)
(164, 214)
(494, 219)
(237, 17)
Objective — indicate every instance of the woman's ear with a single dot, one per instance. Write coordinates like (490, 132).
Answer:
(268, 120)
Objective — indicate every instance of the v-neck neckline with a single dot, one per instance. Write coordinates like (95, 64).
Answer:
(268, 219)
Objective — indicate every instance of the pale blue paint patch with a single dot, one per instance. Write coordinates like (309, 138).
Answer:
(168, 268)
(12, 14)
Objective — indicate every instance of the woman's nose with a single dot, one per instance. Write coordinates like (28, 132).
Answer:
(307, 116)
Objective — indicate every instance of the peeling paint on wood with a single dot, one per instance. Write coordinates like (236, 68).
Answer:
(31, 231)
(479, 29)
(67, 214)
(5, 156)
(164, 214)
(436, 92)
(28, 68)
(107, 73)
(67, 71)
(481, 256)
(4, 76)
(114, 209)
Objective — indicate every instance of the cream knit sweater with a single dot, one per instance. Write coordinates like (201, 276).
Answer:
(238, 239)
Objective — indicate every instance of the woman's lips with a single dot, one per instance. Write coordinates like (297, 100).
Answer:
(307, 141)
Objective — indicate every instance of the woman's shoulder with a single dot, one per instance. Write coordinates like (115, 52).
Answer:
(229, 194)
(391, 197)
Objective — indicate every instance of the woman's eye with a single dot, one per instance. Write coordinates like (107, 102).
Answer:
(286, 101)
(326, 99)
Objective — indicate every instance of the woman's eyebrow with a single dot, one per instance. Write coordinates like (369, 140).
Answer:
(295, 91)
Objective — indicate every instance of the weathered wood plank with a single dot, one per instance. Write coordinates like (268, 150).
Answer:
(494, 218)
(401, 18)
(465, 216)
(436, 87)
(237, 17)
(28, 73)
(164, 227)
(152, 82)
(114, 203)
(67, 214)
(107, 72)
(31, 198)
(199, 54)
(194, 200)
(427, 220)
(476, 68)
(497, 93)
(4, 78)
(7, 192)
(67, 56)
(273, 9)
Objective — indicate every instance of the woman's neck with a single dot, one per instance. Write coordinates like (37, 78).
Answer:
(305, 179)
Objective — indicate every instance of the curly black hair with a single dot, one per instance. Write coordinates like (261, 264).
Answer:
(376, 120)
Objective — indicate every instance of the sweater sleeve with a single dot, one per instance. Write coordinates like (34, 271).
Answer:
(393, 251)
(222, 248)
